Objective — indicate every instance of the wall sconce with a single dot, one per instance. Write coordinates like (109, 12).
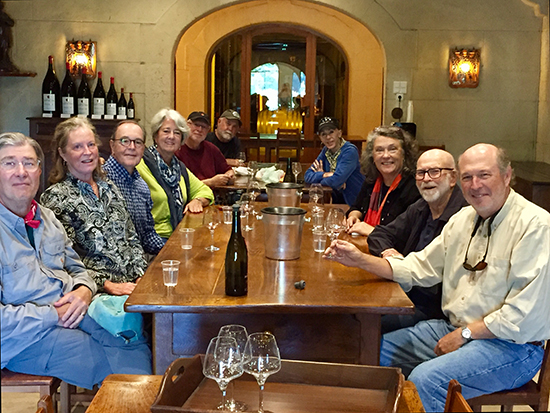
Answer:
(464, 68)
(81, 54)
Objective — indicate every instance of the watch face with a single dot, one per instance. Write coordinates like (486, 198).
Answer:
(466, 333)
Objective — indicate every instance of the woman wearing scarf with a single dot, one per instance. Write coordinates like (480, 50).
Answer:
(174, 189)
(389, 163)
(337, 165)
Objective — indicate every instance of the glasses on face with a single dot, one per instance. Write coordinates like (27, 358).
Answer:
(128, 142)
(433, 173)
(30, 165)
(482, 264)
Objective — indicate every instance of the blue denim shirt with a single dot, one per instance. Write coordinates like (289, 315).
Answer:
(31, 280)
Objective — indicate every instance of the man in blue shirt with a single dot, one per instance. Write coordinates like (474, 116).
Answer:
(45, 289)
(127, 147)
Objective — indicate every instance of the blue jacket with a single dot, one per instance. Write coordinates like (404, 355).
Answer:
(347, 178)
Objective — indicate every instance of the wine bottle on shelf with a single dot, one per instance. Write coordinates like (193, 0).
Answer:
(236, 259)
(289, 177)
(112, 100)
(84, 96)
(131, 107)
(99, 98)
(121, 105)
(68, 94)
(51, 96)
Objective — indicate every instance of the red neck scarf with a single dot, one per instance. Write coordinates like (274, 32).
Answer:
(29, 218)
(375, 206)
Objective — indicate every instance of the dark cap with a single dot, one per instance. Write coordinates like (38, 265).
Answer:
(199, 116)
(231, 114)
(328, 122)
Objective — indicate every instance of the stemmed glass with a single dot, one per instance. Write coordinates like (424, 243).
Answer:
(242, 158)
(246, 211)
(335, 223)
(296, 169)
(211, 219)
(223, 363)
(255, 190)
(240, 335)
(316, 197)
(253, 166)
(261, 359)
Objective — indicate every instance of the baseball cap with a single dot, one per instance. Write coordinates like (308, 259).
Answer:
(199, 116)
(231, 114)
(327, 122)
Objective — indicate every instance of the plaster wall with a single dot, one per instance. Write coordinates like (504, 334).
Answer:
(137, 44)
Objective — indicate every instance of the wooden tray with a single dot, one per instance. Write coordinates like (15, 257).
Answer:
(300, 386)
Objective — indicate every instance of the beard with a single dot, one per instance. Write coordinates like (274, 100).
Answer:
(225, 135)
(436, 193)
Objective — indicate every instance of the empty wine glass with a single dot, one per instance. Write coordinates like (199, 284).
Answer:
(261, 359)
(240, 335)
(253, 166)
(246, 212)
(223, 363)
(296, 169)
(211, 219)
(316, 197)
(241, 158)
(335, 223)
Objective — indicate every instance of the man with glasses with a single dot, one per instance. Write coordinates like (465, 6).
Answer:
(45, 289)
(493, 261)
(436, 178)
(201, 157)
(127, 147)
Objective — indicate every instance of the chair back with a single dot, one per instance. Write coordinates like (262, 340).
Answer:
(289, 139)
(455, 400)
(45, 404)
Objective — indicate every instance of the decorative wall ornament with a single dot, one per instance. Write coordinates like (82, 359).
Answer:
(81, 54)
(464, 68)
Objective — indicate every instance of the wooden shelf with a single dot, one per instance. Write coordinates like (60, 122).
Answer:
(18, 74)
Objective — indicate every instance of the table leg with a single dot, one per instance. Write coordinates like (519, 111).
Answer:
(162, 342)
(370, 338)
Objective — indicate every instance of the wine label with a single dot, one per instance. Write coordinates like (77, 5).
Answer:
(122, 111)
(130, 113)
(111, 109)
(99, 106)
(83, 106)
(48, 104)
(67, 105)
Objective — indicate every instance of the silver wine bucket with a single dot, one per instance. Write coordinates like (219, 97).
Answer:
(283, 232)
(284, 194)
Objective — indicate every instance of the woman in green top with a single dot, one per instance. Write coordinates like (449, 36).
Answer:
(174, 189)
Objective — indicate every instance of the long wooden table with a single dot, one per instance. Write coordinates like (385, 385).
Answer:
(127, 393)
(336, 318)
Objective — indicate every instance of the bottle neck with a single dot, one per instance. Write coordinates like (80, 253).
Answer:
(236, 221)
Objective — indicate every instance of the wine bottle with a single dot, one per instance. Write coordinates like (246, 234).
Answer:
(51, 97)
(121, 105)
(84, 96)
(68, 94)
(236, 259)
(99, 97)
(131, 107)
(112, 99)
(289, 177)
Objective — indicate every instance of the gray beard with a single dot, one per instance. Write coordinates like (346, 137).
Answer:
(435, 194)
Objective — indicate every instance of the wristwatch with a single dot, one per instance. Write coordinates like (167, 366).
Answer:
(467, 334)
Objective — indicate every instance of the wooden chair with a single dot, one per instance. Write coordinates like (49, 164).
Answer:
(455, 400)
(45, 404)
(534, 394)
(28, 383)
(289, 140)
(249, 144)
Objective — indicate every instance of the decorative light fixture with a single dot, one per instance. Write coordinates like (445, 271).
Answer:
(81, 54)
(464, 68)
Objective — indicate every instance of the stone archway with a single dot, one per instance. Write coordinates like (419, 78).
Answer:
(364, 53)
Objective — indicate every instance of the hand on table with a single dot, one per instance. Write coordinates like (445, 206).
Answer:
(361, 228)
(72, 307)
(217, 180)
(345, 253)
(118, 288)
(391, 252)
(195, 206)
(352, 219)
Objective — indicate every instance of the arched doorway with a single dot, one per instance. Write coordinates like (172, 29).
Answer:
(360, 47)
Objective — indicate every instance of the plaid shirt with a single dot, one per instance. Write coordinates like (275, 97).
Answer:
(138, 201)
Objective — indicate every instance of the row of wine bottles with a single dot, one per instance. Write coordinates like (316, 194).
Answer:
(66, 100)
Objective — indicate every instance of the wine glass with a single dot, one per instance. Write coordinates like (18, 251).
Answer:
(223, 363)
(240, 335)
(296, 169)
(211, 219)
(316, 197)
(253, 166)
(241, 158)
(261, 359)
(246, 212)
(335, 223)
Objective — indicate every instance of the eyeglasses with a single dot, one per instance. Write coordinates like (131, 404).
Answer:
(482, 264)
(433, 173)
(30, 165)
(128, 142)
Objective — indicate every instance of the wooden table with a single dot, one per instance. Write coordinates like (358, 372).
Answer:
(126, 393)
(336, 318)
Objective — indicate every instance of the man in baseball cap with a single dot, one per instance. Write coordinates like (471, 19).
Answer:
(225, 136)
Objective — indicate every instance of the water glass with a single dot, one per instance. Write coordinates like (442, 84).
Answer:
(319, 240)
(227, 214)
(187, 235)
(318, 218)
(170, 270)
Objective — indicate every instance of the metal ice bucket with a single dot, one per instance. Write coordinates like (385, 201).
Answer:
(283, 232)
(284, 194)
